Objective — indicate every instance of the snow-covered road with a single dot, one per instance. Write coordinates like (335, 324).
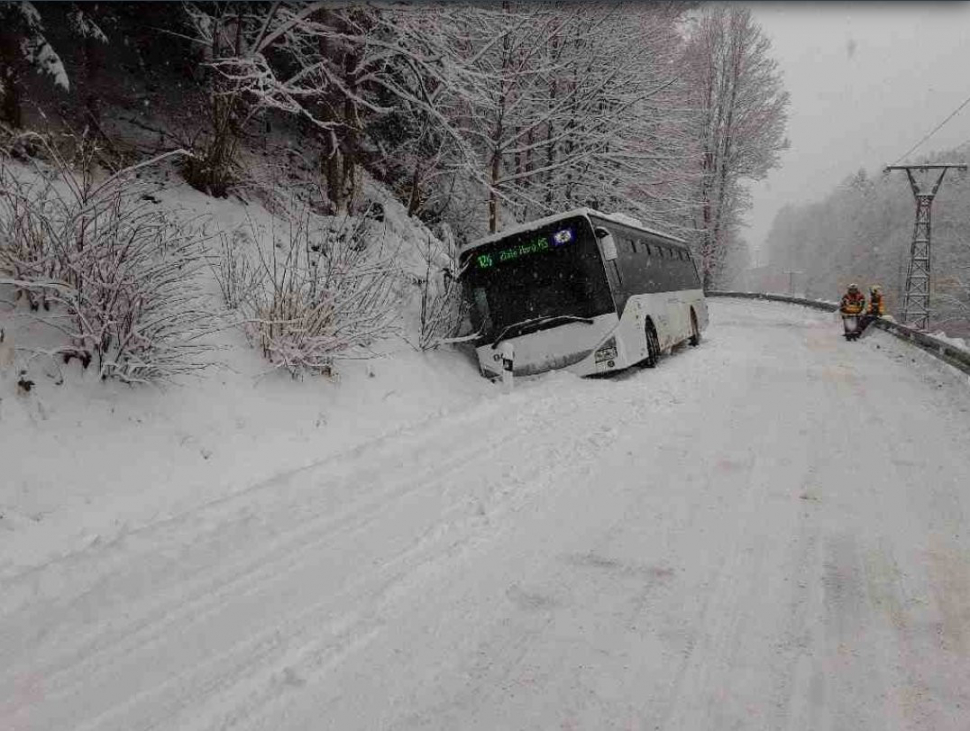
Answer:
(766, 532)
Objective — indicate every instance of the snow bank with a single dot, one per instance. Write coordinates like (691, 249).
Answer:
(955, 342)
(86, 461)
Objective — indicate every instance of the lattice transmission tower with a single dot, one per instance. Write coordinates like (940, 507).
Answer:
(916, 300)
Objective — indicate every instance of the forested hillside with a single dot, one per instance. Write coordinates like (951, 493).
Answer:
(863, 230)
(477, 116)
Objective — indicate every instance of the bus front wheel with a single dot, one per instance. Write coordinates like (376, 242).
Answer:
(653, 346)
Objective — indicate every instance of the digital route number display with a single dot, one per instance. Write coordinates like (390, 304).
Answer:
(543, 243)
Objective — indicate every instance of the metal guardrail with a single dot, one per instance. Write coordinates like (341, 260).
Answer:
(956, 357)
(816, 304)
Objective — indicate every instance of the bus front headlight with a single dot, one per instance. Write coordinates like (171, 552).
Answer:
(607, 351)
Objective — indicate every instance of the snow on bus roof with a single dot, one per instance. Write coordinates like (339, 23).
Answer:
(620, 218)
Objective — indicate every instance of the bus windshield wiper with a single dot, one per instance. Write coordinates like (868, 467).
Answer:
(513, 326)
(538, 321)
(573, 318)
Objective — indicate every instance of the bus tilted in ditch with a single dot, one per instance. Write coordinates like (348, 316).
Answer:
(583, 291)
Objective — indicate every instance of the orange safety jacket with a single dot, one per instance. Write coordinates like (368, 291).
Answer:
(853, 304)
(876, 307)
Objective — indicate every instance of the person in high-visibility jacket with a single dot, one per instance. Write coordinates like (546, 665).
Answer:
(876, 306)
(853, 301)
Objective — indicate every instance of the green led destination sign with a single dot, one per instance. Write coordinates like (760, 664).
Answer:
(536, 246)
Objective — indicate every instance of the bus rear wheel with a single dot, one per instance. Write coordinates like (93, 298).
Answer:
(695, 331)
(653, 346)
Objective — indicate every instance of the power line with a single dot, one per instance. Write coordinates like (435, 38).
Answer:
(936, 129)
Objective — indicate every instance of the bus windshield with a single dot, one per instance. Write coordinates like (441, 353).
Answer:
(538, 276)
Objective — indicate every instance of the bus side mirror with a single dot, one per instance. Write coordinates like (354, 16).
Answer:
(607, 244)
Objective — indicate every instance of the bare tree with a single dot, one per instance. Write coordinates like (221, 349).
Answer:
(582, 106)
(337, 68)
(738, 91)
(220, 32)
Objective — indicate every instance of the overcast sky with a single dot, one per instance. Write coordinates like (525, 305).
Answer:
(867, 81)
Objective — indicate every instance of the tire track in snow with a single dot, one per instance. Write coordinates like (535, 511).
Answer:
(307, 661)
(209, 595)
(206, 600)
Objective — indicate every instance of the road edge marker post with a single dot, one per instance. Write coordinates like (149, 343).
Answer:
(507, 351)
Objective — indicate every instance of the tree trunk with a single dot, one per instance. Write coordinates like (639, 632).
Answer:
(350, 172)
(330, 167)
(10, 108)
(493, 203)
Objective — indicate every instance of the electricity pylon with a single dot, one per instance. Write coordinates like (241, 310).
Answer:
(916, 301)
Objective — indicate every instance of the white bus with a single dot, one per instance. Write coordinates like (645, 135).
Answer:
(583, 291)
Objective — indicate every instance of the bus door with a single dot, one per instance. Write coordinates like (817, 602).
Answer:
(608, 243)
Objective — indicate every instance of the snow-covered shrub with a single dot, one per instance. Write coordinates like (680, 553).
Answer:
(108, 267)
(442, 304)
(319, 289)
(233, 270)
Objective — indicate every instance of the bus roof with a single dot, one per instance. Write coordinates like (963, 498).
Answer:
(539, 223)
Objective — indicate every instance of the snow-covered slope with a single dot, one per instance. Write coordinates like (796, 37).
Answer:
(83, 461)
